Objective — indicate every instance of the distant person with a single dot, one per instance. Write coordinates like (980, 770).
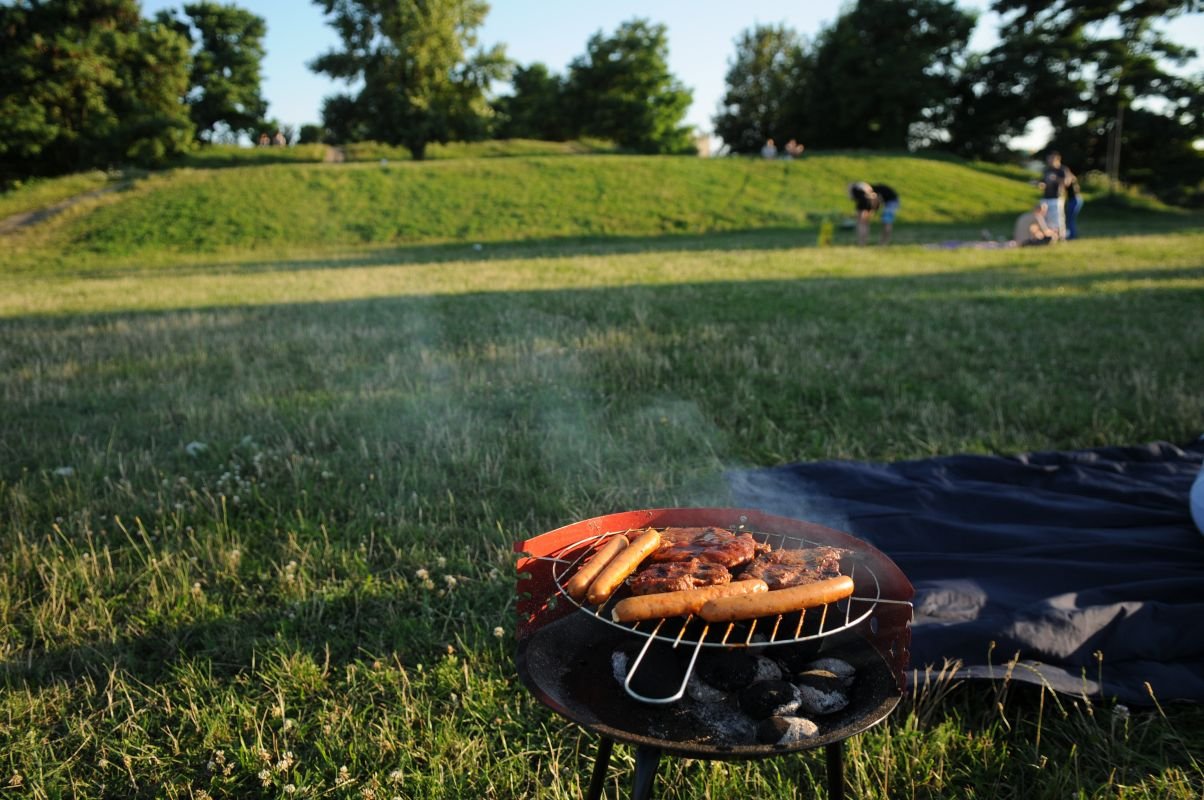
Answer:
(279, 140)
(770, 150)
(1074, 204)
(1033, 229)
(1053, 190)
(793, 149)
(265, 140)
(869, 198)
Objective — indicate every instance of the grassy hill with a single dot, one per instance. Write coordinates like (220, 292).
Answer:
(269, 433)
(298, 207)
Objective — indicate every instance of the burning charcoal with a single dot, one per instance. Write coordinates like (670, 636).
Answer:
(729, 670)
(702, 692)
(659, 674)
(821, 680)
(841, 668)
(767, 670)
(818, 702)
(769, 698)
(786, 731)
(796, 657)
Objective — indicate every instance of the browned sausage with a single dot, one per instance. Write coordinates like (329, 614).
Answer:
(579, 584)
(679, 604)
(622, 565)
(780, 601)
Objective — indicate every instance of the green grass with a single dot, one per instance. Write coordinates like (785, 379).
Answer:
(317, 587)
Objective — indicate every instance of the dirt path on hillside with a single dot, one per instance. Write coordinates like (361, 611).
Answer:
(27, 219)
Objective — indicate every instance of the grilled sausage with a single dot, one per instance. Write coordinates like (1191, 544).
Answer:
(579, 584)
(622, 565)
(781, 601)
(679, 604)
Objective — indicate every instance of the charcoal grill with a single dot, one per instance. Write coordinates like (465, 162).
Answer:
(565, 648)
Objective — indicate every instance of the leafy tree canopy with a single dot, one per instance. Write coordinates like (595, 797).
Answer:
(536, 109)
(766, 82)
(883, 72)
(423, 81)
(621, 89)
(227, 52)
(88, 84)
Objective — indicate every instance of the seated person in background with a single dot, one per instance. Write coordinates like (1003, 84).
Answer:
(793, 149)
(770, 150)
(1033, 229)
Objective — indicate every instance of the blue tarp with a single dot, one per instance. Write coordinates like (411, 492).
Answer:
(1085, 564)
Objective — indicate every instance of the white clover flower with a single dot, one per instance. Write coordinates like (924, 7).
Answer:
(422, 574)
(289, 788)
(194, 449)
(449, 581)
(64, 472)
(499, 631)
(265, 777)
(441, 562)
(343, 776)
(395, 776)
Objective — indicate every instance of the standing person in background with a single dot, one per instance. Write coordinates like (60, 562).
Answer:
(1053, 191)
(869, 198)
(1074, 203)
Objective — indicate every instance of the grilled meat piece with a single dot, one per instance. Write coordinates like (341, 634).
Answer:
(674, 576)
(707, 544)
(781, 569)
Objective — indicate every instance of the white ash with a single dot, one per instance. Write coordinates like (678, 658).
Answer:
(724, 724)
(703, 692)
(816, 701)
(786, 730)
(618, 666)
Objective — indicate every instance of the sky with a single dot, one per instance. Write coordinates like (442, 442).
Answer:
(702, 35)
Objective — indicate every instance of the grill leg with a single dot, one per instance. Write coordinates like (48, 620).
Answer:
(835, 758)
(601, 761)
(646, 760)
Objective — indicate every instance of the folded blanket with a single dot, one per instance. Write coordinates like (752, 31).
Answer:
(1085, 564)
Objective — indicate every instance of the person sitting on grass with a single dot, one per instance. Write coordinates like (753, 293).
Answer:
(1033, 229)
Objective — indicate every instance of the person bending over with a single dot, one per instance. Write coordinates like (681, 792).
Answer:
(869, 198)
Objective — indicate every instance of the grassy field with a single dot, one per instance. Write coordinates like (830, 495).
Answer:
(257, 502)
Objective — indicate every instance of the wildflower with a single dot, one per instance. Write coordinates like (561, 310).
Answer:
(1122, 711)
(197, 591)
(499, 632)
(289, 788)
(16, 780)
(265, 777)
(395, 776)
(441, 562)
(449, 581)
(422, 574)
(194, 449)
(343, 776)
(64, 472)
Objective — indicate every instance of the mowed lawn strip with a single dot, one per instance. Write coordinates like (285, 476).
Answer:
(255, 523)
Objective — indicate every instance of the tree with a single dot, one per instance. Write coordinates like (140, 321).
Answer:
(883, 73)
(766, 82)
(1091, 67)
(227, 53)
(422, 80)
(621, 89)
(88, 85)
(536, 108)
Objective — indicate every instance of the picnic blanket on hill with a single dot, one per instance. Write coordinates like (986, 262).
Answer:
(1055, 556)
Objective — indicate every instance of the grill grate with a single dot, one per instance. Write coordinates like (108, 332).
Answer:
(800, 626)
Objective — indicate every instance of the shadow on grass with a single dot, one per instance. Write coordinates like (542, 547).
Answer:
(1107, 222)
